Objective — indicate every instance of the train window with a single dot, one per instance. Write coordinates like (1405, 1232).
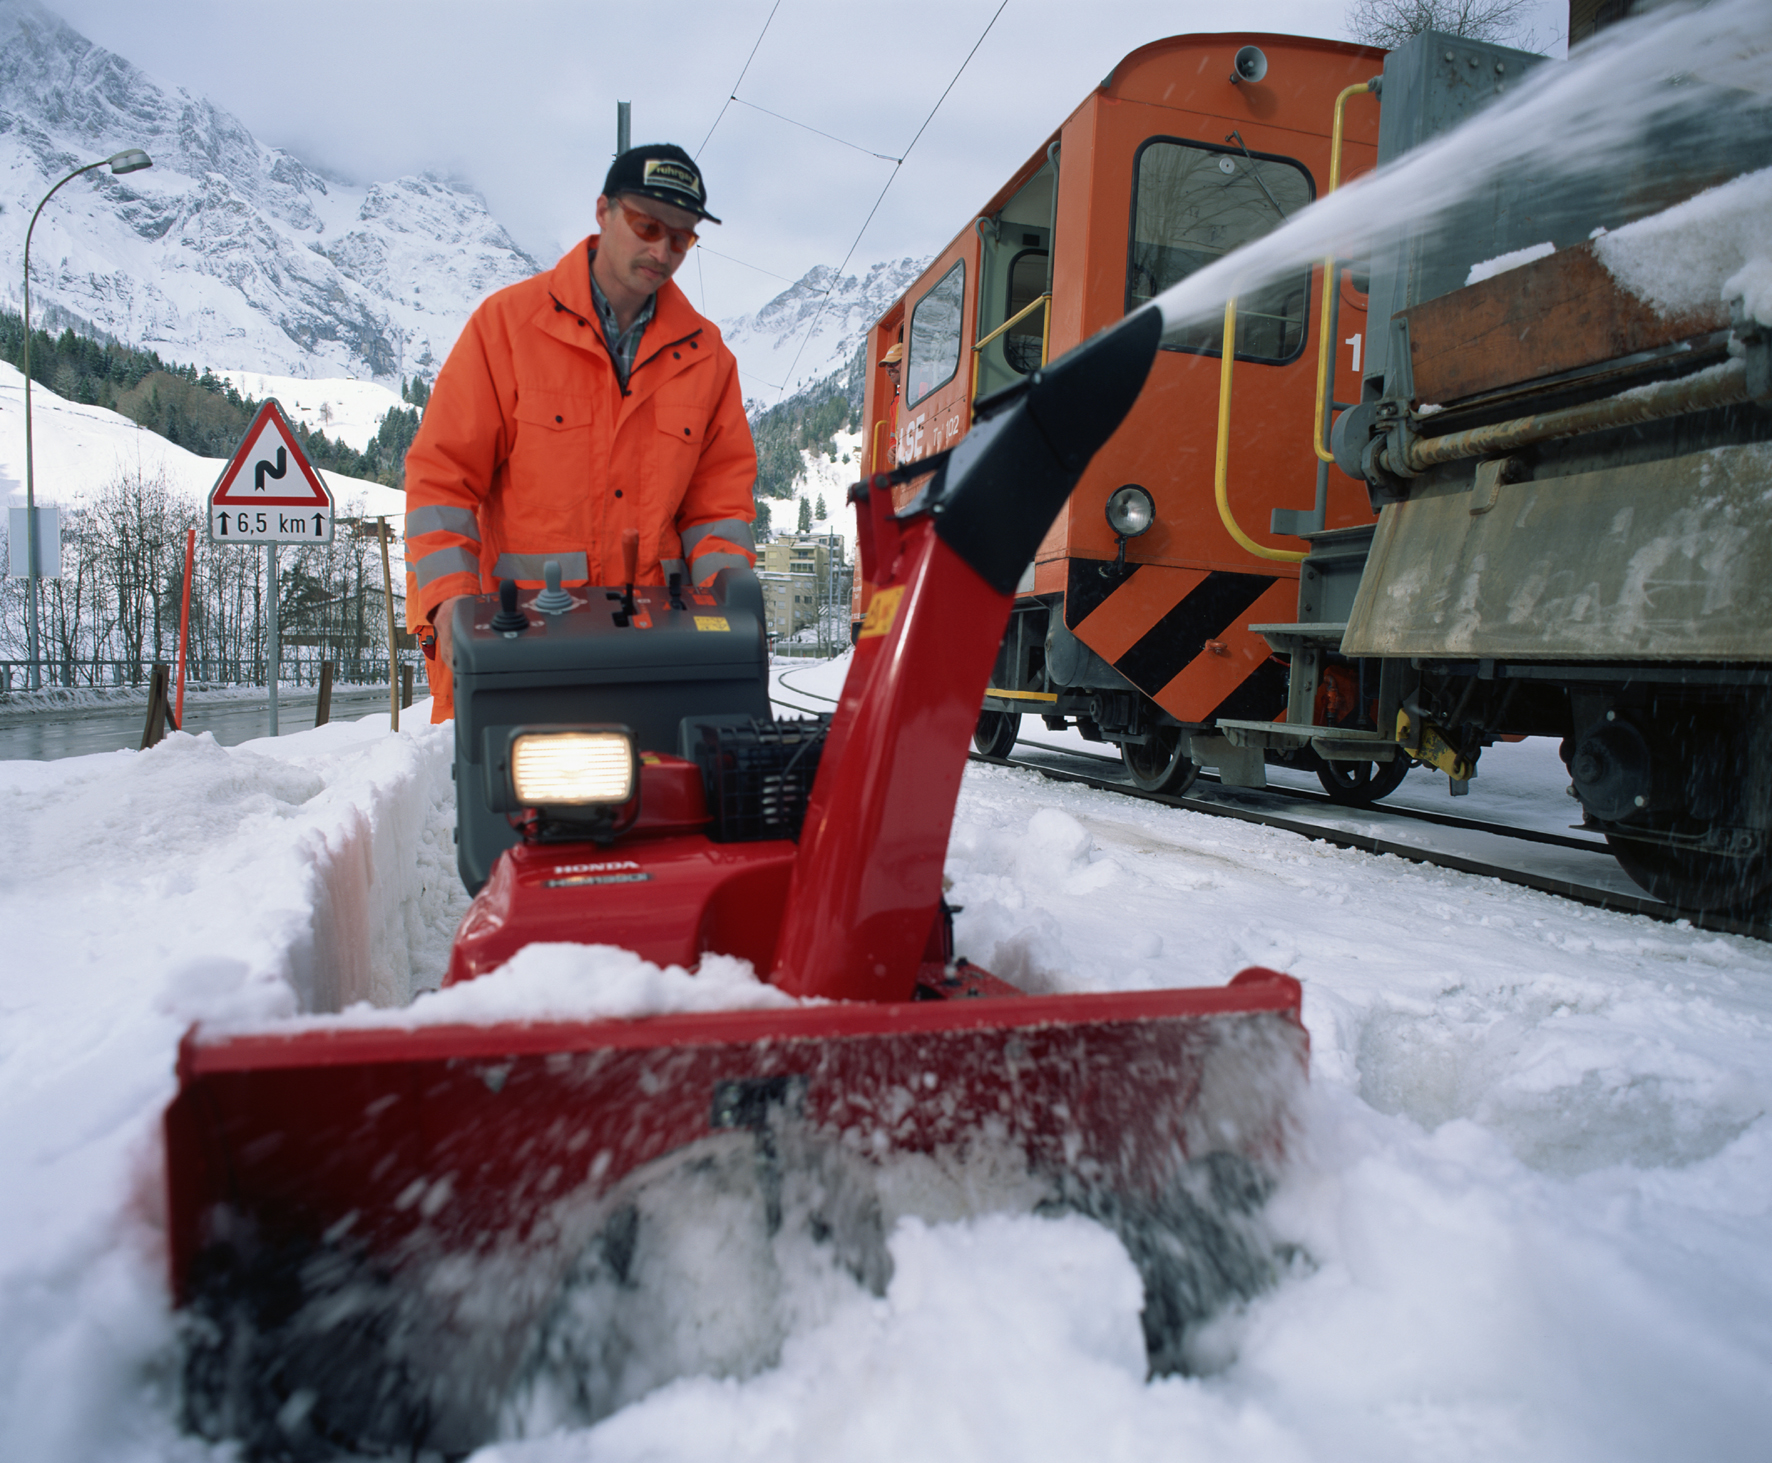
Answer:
(1192, 204)
(1027, 282)
(934, 351)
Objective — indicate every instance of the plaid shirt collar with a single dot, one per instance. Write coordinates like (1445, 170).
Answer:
(624, 345)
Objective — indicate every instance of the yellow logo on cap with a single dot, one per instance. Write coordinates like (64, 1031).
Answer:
(663, 171)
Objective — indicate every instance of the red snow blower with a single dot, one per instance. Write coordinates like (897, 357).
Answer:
(372, 1228)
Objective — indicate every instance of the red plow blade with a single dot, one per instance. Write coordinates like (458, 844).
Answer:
(370, 1226)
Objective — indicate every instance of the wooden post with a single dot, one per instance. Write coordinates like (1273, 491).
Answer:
(387, 584)
(406, 685)
(323, 708)
(160, 717)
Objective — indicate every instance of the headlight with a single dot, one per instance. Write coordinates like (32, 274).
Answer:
(1130, 511)
(573, 768)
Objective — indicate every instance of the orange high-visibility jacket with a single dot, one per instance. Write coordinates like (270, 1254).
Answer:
(531, 450)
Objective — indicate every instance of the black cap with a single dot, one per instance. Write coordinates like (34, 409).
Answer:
(663, 171)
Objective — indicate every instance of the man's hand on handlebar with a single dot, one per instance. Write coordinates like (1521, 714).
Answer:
(443, 622)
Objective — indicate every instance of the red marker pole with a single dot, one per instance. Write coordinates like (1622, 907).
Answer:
(184, 626)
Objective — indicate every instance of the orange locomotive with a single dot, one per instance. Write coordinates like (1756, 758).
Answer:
(1135, 620)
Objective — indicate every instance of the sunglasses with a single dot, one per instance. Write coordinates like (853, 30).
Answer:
(651, 230)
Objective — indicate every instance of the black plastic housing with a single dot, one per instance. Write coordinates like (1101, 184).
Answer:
(593, 664)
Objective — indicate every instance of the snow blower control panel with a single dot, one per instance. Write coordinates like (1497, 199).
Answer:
(639, 657)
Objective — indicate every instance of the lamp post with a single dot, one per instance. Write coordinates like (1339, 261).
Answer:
(130, 160)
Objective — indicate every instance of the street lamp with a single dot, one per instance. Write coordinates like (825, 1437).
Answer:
(130, 160)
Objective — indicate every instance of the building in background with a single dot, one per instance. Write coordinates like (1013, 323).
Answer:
(806, 583)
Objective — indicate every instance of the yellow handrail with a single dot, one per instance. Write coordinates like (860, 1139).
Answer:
(1219, 472)
(1324, 345)
(874, 453)
(1014, 320)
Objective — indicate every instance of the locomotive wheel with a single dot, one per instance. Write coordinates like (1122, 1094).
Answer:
(1703, 883)
(1362, 782)
(1160, 765)
(996, 733)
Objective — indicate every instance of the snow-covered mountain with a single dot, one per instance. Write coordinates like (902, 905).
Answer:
(227, 252)
(768, 342)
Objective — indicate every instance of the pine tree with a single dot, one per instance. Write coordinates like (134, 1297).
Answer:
(805, 516)
(818, 509)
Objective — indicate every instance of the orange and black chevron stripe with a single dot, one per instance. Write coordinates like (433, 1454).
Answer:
(1181, 635)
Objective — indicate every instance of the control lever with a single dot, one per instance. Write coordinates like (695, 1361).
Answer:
(509, 620)
(630, 564)
(675, 590)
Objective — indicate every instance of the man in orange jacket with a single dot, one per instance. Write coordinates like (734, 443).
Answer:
(579, 403)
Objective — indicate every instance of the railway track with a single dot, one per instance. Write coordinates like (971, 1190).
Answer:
(1063, 765)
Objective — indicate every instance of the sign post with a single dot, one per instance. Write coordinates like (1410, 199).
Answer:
(258, 499)
(387, 581)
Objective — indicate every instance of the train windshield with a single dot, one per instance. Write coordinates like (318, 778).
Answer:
(1193, 204)
(934, 351)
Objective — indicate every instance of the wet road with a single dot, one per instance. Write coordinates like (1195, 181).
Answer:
(53, 732)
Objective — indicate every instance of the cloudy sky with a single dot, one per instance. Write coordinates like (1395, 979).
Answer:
(519, 96)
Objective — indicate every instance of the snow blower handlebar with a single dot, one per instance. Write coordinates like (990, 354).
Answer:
(866, 884)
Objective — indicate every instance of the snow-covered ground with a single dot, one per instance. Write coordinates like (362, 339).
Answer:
(1531, 1205)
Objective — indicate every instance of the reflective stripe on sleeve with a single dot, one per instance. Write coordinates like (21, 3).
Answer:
(442, 518)
(710, 564)
(453, 560)
(733, 530)
(530, 566)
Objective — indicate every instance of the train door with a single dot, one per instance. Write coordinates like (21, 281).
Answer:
(1015, 283)
(934, 408)
(883, 399)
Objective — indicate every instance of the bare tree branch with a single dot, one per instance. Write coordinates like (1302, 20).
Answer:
(1389, 23)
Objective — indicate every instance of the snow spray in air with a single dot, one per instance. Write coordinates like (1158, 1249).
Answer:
(1678, 84)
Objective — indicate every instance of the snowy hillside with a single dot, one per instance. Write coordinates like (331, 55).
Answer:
(79, 451)
(347, 411)
(768, 342)
(226, 252)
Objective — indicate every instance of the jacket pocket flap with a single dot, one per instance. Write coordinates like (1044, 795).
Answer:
(686, 424)
(554, 409)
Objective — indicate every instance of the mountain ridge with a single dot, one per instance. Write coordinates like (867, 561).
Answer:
(227, 251)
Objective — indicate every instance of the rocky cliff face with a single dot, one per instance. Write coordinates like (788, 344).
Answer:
(227, 253)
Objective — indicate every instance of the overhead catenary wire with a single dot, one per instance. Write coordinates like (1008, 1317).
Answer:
(732, 95)
(884, 157)
(702, 248)
(862, 231)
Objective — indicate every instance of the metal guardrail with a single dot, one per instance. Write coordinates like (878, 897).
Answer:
(213, 670)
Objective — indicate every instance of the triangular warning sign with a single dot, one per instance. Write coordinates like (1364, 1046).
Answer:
(269, 470)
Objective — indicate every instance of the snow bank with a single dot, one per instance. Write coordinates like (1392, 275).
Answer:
(562, 982)
(1714, 246)
(143, 891)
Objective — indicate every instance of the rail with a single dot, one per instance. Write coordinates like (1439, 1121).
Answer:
(1009, 324)
(90, 673)
(1320, 422)
(1221, 458)
(1724, 385)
